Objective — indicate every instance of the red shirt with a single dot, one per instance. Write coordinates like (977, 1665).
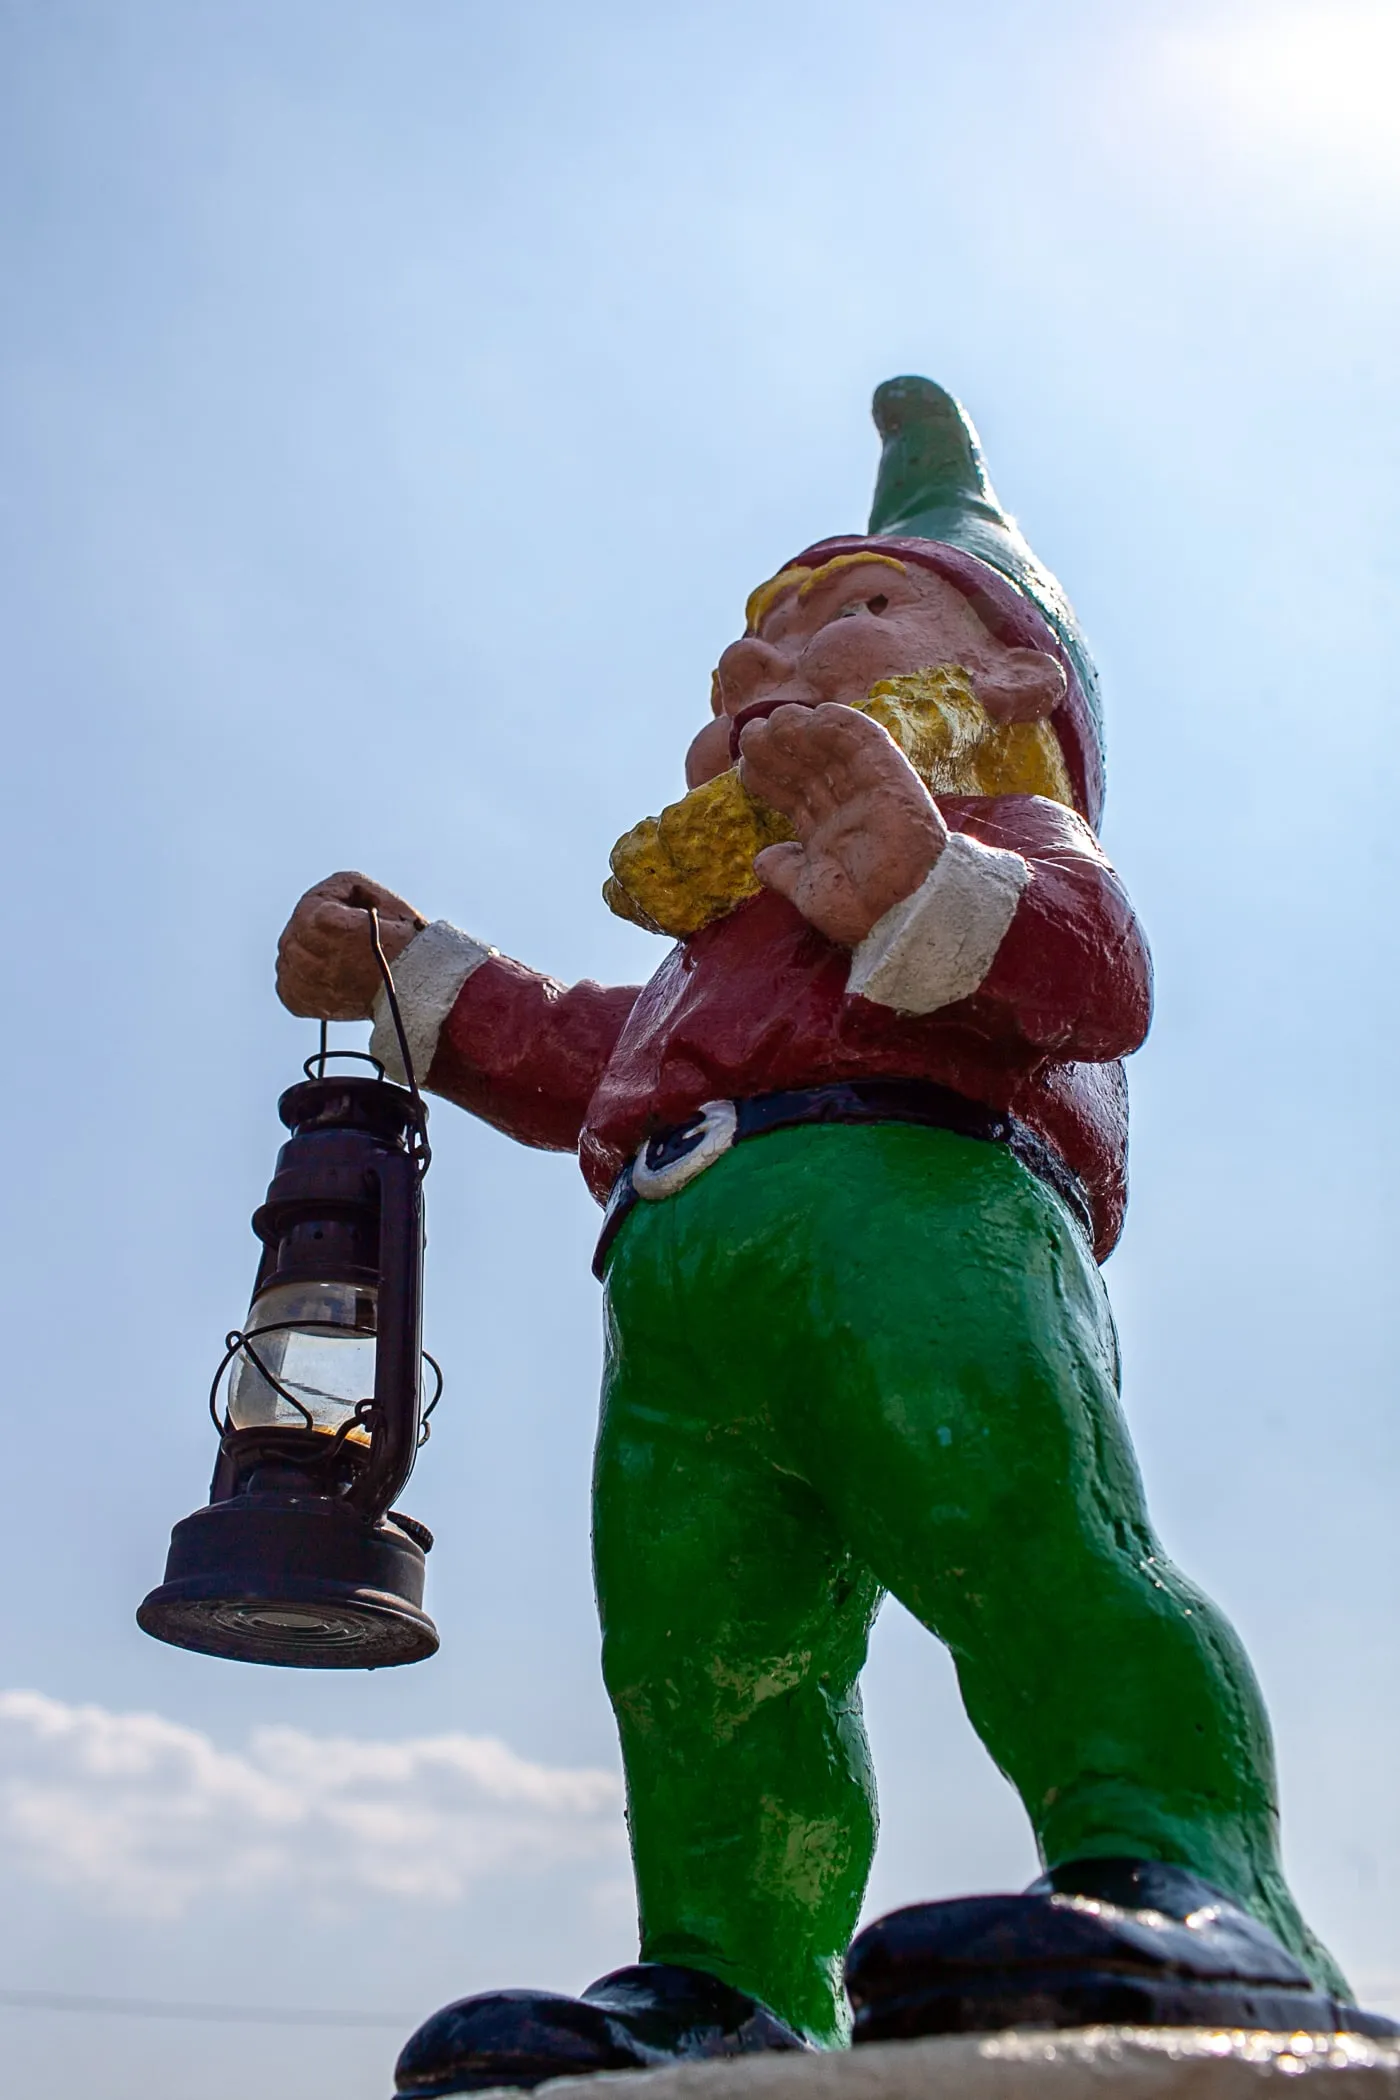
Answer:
(757, 1001)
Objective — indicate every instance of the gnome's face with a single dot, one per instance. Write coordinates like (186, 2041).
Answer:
(831, 633)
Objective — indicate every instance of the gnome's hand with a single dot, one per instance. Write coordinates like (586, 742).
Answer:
(868, 831)
(325, 961)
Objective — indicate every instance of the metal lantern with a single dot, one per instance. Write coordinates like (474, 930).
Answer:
(299, 1557)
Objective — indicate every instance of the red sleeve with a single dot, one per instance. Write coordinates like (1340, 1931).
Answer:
(1072, 979)
(525, 1052)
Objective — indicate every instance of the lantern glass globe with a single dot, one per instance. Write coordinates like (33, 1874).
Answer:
(317, 1339)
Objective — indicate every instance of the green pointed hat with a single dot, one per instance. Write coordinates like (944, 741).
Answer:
(933, 487)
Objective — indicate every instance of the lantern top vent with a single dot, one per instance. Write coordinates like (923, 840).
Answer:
(375, 1106)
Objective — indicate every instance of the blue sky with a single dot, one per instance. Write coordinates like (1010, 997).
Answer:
(397, 405)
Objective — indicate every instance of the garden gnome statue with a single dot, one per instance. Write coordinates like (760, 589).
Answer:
(860, 1142)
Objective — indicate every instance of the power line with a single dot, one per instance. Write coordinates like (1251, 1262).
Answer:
(168, 2009)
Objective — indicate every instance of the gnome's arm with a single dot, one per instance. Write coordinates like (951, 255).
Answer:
(521, 1051)
(1025, 928)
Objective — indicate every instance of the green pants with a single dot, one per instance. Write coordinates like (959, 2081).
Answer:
(850, 1360)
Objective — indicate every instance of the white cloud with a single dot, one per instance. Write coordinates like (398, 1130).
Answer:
(142, 1815)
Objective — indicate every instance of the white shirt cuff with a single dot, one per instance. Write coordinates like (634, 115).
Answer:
(427, 978)
(937, 946)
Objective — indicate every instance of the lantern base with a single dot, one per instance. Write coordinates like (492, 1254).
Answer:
(295, 1580)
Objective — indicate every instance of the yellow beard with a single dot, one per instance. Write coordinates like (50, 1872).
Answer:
(675, 873)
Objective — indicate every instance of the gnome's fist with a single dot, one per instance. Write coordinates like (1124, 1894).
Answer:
(325, 961)
(868, 830)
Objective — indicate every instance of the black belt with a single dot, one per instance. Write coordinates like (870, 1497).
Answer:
(666, 1162)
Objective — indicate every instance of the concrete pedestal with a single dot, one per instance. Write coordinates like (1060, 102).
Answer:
(1082, 2063)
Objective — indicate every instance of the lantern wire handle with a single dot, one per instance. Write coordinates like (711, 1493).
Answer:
(422, 1151)
(425, 1429)
(315, 1065)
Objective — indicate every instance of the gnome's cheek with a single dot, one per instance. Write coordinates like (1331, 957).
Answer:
(708, 755)
(849, 656)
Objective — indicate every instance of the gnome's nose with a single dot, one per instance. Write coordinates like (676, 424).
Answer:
(747, 670)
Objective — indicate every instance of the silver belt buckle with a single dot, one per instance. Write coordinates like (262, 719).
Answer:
(663, 1165)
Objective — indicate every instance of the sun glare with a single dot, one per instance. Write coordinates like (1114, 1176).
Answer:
(1319, 80)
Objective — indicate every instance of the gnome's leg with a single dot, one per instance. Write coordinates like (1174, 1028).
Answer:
(963, 1425)
(735, 1626)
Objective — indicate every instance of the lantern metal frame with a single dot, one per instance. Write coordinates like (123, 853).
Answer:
(299, 1557)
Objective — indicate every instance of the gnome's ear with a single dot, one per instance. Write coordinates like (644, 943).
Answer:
(1021, 685)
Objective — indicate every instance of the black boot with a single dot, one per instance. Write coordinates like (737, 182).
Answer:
(653, 2013)
(1121, 1942)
